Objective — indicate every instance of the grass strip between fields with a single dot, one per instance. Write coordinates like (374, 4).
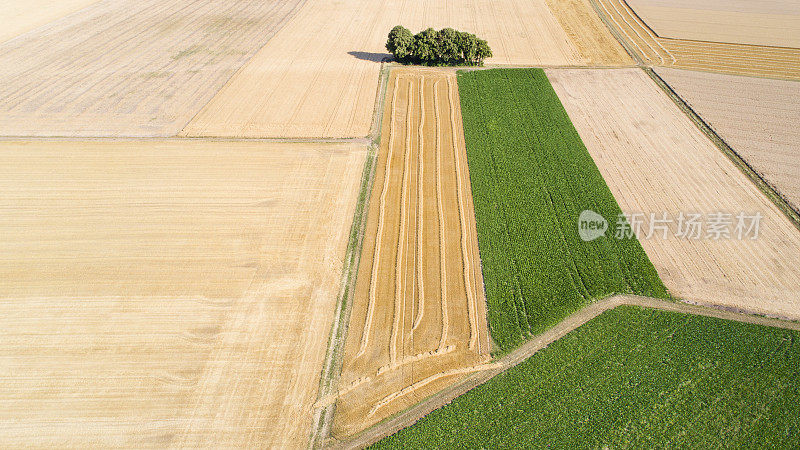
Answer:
(531, 177)
(633, 377)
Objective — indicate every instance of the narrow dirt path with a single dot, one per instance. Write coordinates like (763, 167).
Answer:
(413, 414)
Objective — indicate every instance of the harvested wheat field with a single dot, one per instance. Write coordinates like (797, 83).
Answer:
(758, 118)
(655, 160)
(733, 58)
(20, 16)
(418, 321)
(773, 23)
(324, 84)
(168, 293)
(129, 67)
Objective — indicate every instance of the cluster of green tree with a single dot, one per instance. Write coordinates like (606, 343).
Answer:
(446, 47)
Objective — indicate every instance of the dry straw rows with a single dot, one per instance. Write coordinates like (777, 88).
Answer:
(418, 320)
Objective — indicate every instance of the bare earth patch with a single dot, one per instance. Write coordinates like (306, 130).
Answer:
(168, 293)
(655, 160)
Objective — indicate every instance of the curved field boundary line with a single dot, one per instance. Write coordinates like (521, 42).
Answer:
(644, 26)
(472, 307)
(525, 351)
(440, 211)
(625, 19)
(376, 253)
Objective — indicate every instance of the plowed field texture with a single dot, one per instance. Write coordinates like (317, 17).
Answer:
(757, 38)
(756, 117)
(531, 179)
(168, 293)
(418, 319)
(633, 378)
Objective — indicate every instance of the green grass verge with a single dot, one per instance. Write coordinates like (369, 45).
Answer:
(531, 177)
(634, 378)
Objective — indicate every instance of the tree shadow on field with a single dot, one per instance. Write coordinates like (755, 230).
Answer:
(370, 56)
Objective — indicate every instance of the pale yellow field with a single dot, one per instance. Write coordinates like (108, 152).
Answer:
(318, 76)
(20, 16)
(757, 117)
(129, 67)
(655, 160)
(756, 22)
(724, 57)
(168, 293)
(418, 321)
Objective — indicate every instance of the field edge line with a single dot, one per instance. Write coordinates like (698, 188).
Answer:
(330, 372)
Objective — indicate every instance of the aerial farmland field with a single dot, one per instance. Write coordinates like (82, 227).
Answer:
(655, 160)
(419, 314)
(314, 223)
(757, 117)
(129, 68)
(324, 84)
(633, 378)
(161, 293)
(772, 23)
(769, 61)
(531, 178)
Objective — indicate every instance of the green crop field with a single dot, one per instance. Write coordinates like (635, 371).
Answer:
(634, 378)
(531, 178)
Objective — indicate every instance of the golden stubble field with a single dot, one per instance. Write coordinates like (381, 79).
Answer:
(758, 22)
(684, 52)
(324, 83)
(129, 67)
(757, 117)
(418, 320)
(168, 293)
(655, 160)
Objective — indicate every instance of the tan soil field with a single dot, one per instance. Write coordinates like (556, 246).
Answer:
(418, 321)
(129, 67)
(20, 16)
(655, 160)
(324, 83)
(761, 61)
(758, 118)
(758, 22)
(168, 293)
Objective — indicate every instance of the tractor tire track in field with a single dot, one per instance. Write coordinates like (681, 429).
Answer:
(417, 322)
(484, 373)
